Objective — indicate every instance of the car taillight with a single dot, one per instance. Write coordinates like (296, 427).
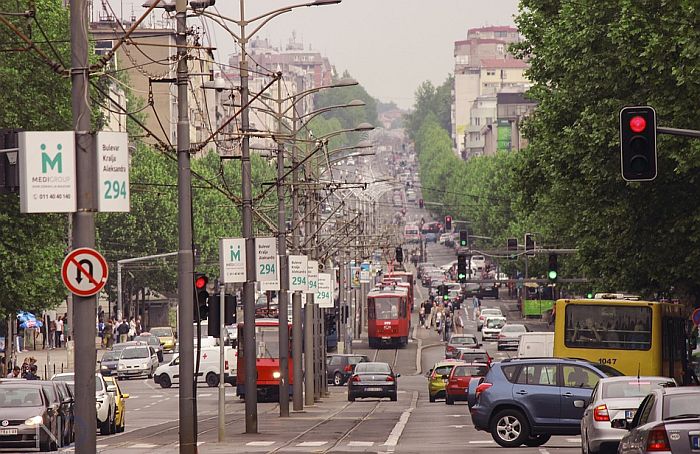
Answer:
(600, 413)
(348, 368)
(450, 348)
(658, 440)
(481, 388)
(389, 378)
(356, 378)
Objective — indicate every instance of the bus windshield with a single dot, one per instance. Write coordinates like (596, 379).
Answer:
(267, 340)
(608, 327)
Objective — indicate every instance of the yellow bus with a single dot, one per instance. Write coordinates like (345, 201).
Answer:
(634, 337)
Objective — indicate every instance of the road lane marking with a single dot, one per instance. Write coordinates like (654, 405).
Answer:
(260, 443)
(458, 426)
(396, 432)
(311, 444)
(205, 395)
(361, 444)
(481, 442)
(142, 446)
(544, 451)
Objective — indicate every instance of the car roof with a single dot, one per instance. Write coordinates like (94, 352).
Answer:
(475, 350)
(633, 377)
(679, 390)
(475, 363)
(448, 362)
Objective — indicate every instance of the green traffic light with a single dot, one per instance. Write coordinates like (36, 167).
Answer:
(462, 243)
(589, 295)
(552, 274)
(461, 276)
(446, 297)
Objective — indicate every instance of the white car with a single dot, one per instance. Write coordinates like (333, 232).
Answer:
(614, 398)
(105, 403)
(492, 328)
(488, 311)
(141, 360)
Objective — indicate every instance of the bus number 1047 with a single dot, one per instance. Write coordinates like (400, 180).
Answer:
(608, 361)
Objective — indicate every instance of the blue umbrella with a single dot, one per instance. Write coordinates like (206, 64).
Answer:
(28, 320)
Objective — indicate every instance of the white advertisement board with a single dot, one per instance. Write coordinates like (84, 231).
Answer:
(266, 259)
(298, 267)
(113, 171)
(47, 172)
(232, 260)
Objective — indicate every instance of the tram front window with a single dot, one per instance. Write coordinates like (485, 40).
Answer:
(267, 341)
(387, 308)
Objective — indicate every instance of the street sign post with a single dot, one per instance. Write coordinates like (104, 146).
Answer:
(232, 260)
(113, 171)
(298, 269)
(266, 259)
(84, 272)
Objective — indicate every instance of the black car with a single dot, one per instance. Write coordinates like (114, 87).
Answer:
(373, 380)
(340, 366)
(109, 362)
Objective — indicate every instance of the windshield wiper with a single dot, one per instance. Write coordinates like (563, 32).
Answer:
(683, 416)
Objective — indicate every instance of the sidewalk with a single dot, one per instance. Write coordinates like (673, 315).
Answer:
(52, 361)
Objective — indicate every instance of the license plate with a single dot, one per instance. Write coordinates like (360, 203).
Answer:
(8, 431)
(373, 389)
(695, 441)
(629, 414)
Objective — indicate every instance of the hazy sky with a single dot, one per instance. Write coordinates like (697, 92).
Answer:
(389, 46)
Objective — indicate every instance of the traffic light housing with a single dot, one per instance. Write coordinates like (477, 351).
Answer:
(399, 254)
(638, 143)
(463, 238)
(530, 244)
(200, 288)
(462, 268)
(448, 223)
(552, 268)
(512, 245)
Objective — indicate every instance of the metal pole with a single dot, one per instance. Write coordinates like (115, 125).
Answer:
(83, 232)
(283, 296)
(119, 291)
(185, 257)
(297, 336)
(309, 327)
(251, 395)
(222, 362)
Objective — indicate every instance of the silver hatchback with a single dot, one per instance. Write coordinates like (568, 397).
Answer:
(614, 398)
(139, 361)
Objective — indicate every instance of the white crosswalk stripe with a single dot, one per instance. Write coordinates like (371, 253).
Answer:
(311, 444)
(360, 444)
(260, 443)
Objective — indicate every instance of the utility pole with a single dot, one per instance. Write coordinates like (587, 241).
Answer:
(297, 333)
(283, 295)
(83, 322)
(251, 392)
(309, 344)
(185, 256)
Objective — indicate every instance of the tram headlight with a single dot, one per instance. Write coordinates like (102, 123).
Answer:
(276, 375)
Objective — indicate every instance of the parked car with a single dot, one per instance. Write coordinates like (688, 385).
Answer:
(339, 366)
(437, 378)
(614, 398)
(109, 362)
(667, 420)
(104, 401)
(526, 401)
(152, 341)
(68, 409)
(372, 379)
(29, 418)
(492, 328)
(459, 378)
(509, 337)
(488, 291)
(119, 401)
(485, 312)
(166, 336)
(476, 355)
(459, 343)
(139, 361)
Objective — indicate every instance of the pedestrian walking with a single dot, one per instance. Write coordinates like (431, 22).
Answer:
(16, 372)
(421, 315)
(123, 331)
(475, 306)
(108, 334)
(427, 306)
(52, 334)
(459, 323)
(132, 328)
(59, 331)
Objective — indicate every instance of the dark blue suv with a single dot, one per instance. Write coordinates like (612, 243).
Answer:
(526, 401)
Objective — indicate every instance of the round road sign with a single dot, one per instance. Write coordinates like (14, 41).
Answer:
(696, 316)
(84, 271)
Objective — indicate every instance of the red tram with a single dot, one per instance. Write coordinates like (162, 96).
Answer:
(408, 280)
(267, 362)
(388, 316)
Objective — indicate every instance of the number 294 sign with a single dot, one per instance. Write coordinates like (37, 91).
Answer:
(113, 171)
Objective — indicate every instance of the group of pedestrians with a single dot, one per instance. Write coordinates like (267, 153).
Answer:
(447, 317)
(118, 331)
(28, 370)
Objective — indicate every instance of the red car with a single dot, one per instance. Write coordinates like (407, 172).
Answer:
(458, 381)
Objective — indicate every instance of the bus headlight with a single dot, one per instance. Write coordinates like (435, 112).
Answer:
(276, 375)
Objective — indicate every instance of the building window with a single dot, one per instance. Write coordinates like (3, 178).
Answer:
(103, 47)
(500, 49)
(490, 73)
(489, 120)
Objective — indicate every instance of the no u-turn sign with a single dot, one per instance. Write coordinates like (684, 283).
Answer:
(84, 271)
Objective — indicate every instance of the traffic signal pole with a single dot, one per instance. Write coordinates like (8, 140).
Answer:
(185, 257)
(83, 321)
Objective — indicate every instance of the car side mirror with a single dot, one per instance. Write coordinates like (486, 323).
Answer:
(398, 375)
(578, 403)
(125, 396)
(620, 424)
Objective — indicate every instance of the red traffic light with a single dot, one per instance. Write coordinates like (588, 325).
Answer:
(638, 124)
(200, 282)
